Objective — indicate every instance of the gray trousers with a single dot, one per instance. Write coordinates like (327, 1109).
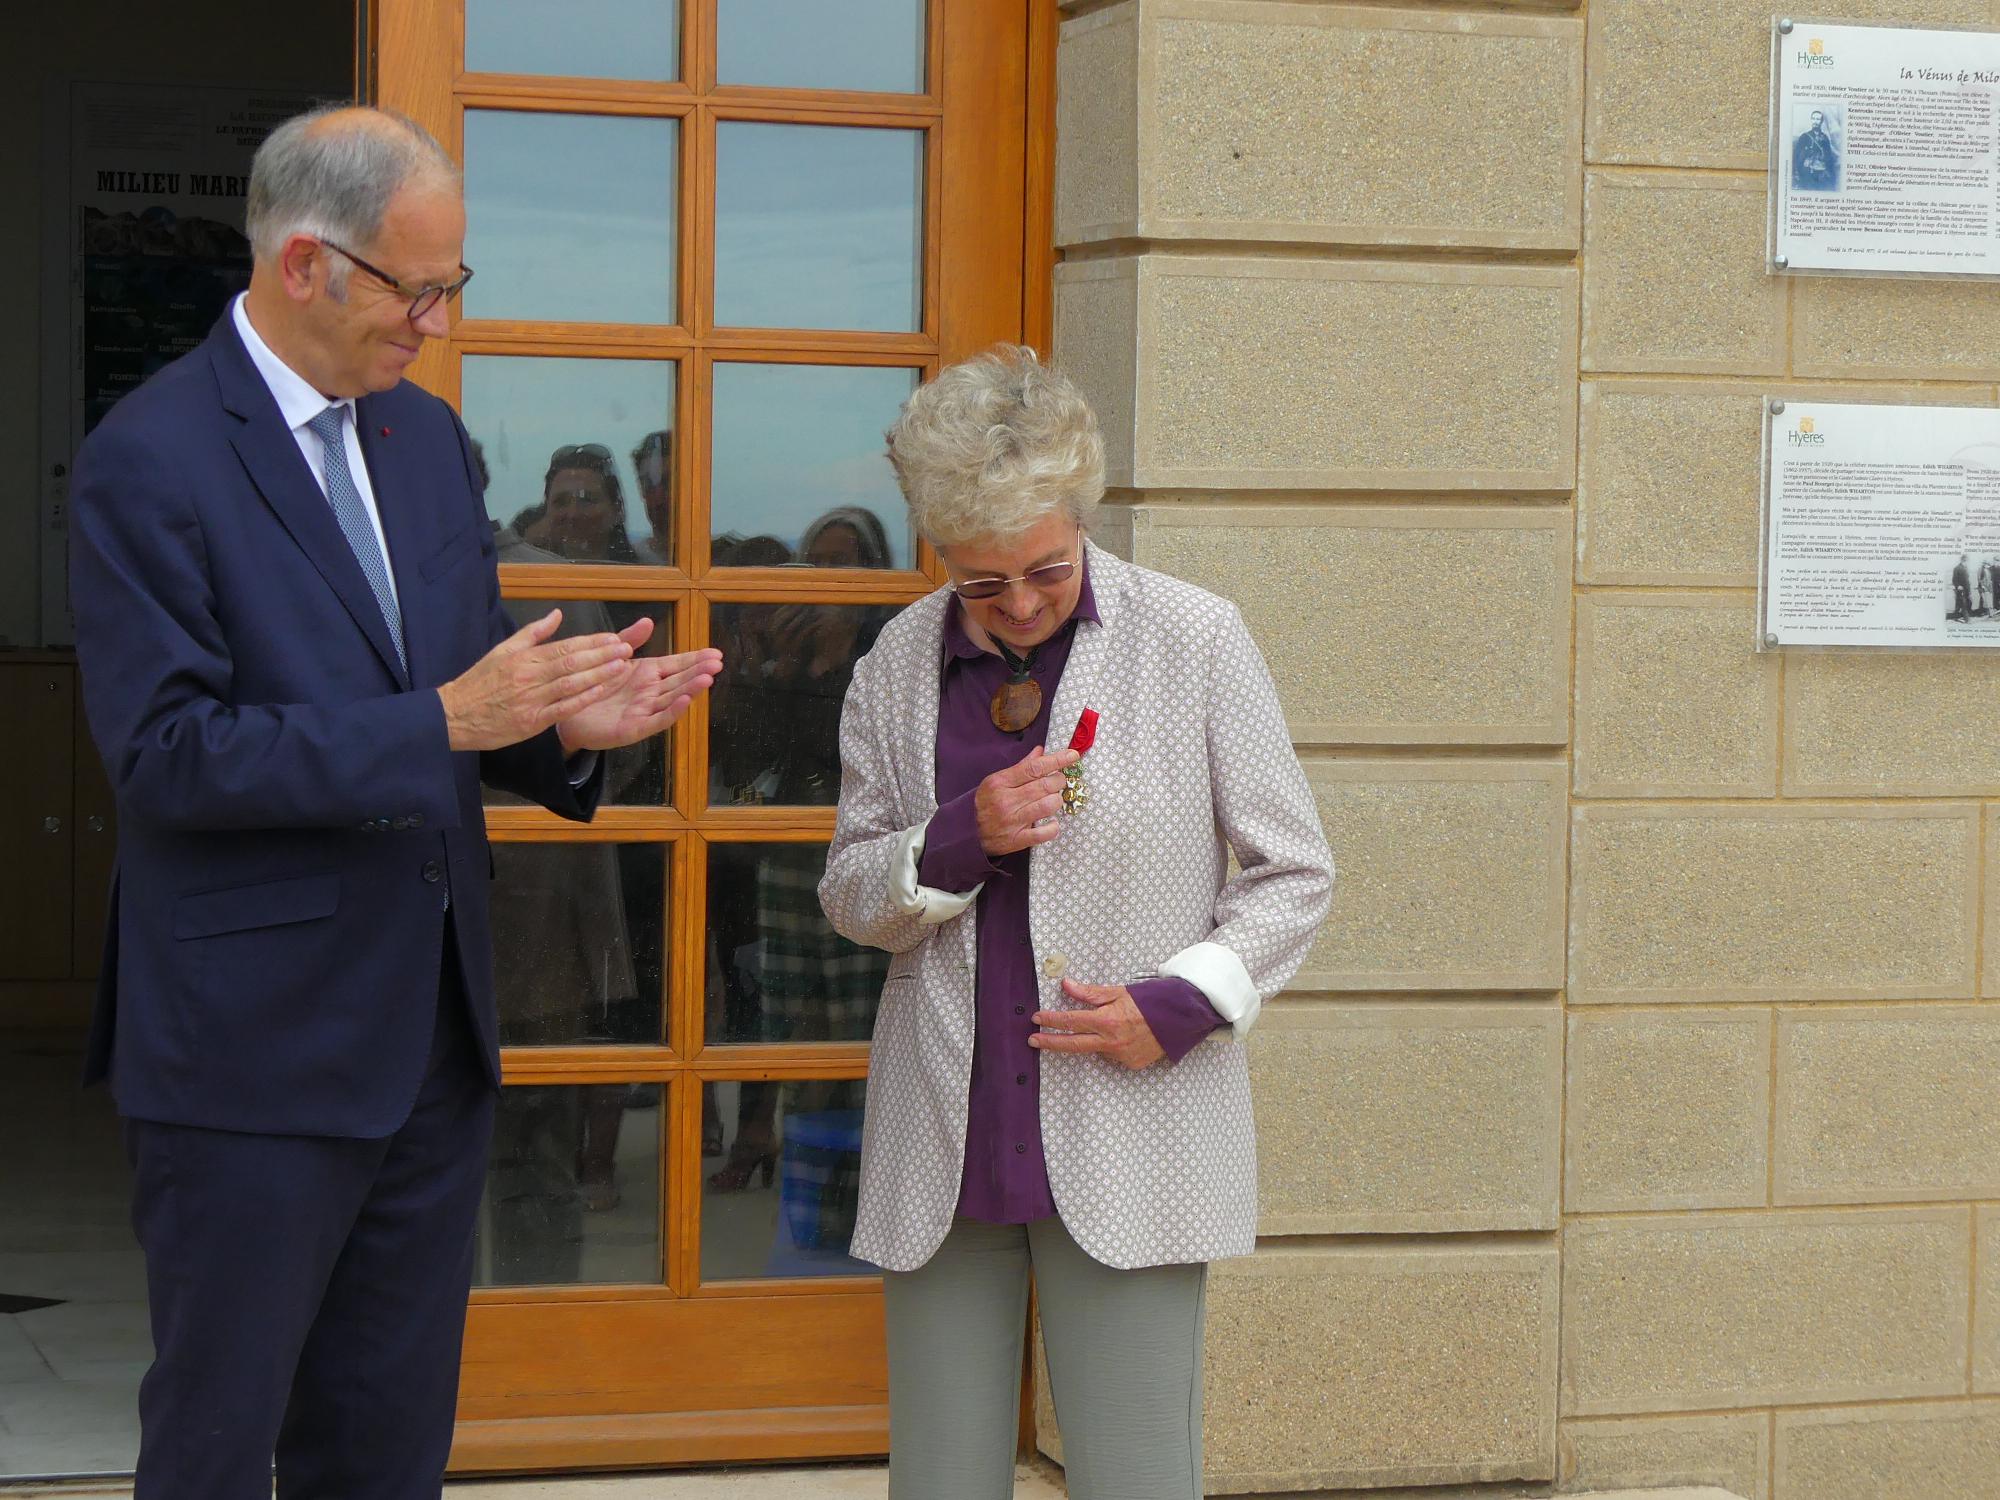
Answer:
(1124, 1352)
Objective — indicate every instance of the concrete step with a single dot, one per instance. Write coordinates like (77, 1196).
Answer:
(846, 1482)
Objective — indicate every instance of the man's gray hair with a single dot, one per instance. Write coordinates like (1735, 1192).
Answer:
(993, 445)
(332, 178)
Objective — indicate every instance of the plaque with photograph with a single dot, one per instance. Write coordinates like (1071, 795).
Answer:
(1881, 526)
(1885, 150)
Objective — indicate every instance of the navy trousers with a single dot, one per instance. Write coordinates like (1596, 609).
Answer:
(308, 1294)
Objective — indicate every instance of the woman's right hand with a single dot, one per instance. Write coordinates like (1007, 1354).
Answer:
(1012, 803)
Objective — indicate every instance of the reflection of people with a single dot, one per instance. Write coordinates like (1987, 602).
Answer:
(568, 972)
(585, 506)
(298, 671)
(812, 985)
(813, 651)
(653, 462)
(743, 734)
(846, 537)
(1815, 159)
(1032, 1101)
(1961, 589)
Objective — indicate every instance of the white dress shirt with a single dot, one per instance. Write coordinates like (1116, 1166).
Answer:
(298, 404)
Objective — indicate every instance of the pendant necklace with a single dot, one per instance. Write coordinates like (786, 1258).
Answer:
(1018, 701)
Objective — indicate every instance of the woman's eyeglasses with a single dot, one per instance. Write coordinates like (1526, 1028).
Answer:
(421, 298)
(1051, 576)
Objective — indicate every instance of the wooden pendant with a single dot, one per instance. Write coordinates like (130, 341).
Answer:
(1016, 704)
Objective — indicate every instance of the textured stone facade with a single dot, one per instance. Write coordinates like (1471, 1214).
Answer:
(1435, 336)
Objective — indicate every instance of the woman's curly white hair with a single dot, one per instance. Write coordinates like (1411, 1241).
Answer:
(993, 445)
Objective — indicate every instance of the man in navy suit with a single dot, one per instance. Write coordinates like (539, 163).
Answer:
(299, 673)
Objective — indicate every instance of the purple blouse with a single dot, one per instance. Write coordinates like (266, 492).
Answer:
(1006, 1179)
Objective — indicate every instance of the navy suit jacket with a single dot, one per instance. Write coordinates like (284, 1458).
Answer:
(290, 813)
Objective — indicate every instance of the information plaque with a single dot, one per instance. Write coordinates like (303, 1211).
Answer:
(1883, 150)
(1881, 526)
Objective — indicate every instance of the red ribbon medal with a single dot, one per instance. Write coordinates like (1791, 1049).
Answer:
(1074, 793)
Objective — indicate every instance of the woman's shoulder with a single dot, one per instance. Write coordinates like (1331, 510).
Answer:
(914, 632)
(1161, 600)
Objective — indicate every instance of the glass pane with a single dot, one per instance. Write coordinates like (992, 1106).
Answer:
(577, 455)
(798, 470)
(872, 45)
(570, 218)
(572, 1187)
(818, 226)
(779, 1192)
(578, 39)
(579, 943)
(635, 776)
(777, 971)
(774, 714)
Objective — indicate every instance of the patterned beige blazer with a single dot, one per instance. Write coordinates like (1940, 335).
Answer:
(1192, 761)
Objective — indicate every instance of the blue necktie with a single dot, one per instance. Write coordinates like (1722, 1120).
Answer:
(345, 497)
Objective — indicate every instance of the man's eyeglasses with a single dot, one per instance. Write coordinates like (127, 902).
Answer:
(421, 298)
(1048, 577)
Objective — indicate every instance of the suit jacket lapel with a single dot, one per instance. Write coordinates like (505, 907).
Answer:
(271, 455)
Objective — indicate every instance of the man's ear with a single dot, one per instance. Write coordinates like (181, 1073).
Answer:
(299, 260)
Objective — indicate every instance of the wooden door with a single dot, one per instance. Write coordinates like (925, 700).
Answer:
(717, 243)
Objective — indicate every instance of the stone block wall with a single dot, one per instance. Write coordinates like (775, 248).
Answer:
(1630, 1122)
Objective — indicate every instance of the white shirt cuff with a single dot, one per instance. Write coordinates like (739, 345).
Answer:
(926, 903)
(1219, 974)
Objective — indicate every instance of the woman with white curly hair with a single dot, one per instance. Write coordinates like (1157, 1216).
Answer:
(1045, 766)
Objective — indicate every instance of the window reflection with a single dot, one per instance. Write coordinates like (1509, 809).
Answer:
(783, 1201)
(571, 218)
(581, 515)
(870, 45)
(572, 1187)
(797, 460)
(579, 942)
(578, 38)
(774, 714)
(577, 456)
(817, 226)
(782, 1160)
(776, 969)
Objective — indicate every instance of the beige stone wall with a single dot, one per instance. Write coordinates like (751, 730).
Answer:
(1631, 1122)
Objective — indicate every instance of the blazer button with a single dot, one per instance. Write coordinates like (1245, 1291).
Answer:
(1055, 966)
(416, 820)
(381, 825)
(399, 824)
(433, 872)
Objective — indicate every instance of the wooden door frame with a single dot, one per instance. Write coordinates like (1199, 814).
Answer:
(532, 1397)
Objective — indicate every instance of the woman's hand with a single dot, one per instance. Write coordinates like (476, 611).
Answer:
(1011, 803)
(1112, 1027)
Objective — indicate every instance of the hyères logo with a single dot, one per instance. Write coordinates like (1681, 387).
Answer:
(1804, 435)
(1815, 55)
